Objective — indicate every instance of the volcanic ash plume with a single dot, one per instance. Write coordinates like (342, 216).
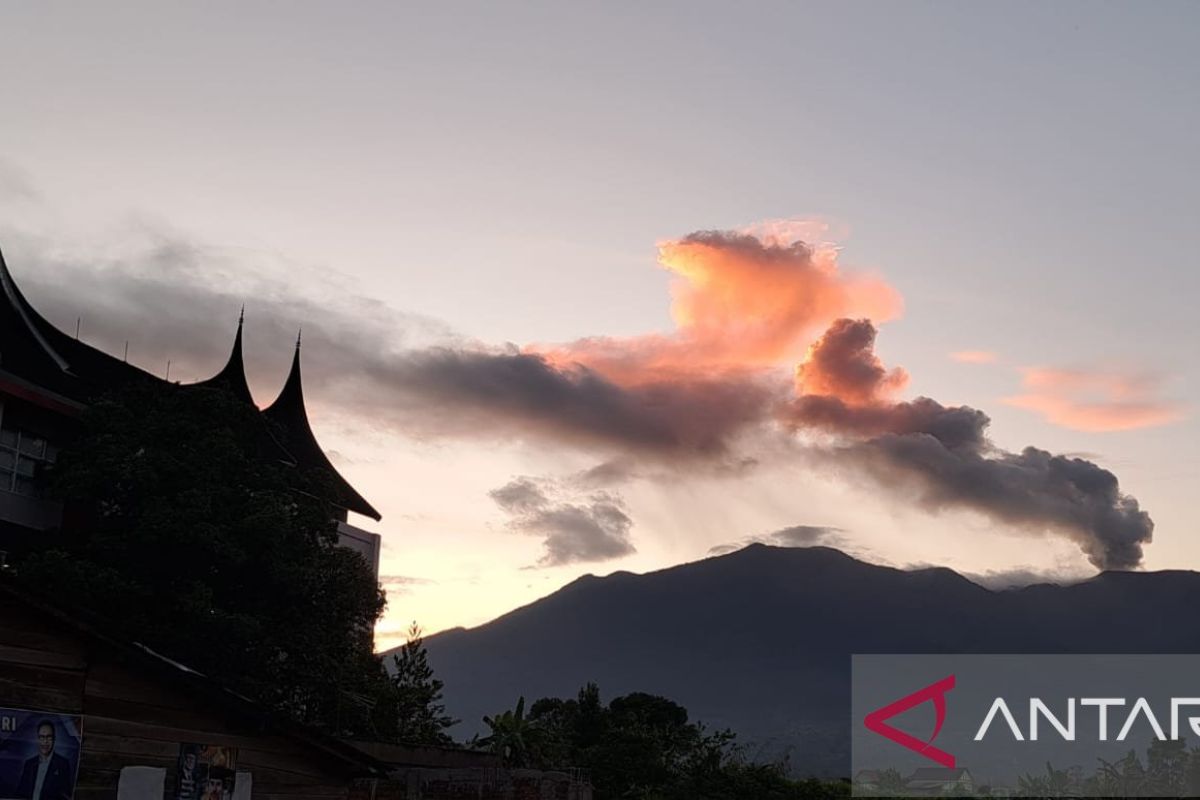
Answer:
(943, 455)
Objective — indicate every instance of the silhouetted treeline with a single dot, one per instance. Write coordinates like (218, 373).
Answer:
(639, 746)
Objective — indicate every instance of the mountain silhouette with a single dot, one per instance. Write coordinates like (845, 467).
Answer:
(759, 640)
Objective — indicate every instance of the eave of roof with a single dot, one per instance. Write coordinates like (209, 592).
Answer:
(71, 367)
(289, 412)
(233, 375)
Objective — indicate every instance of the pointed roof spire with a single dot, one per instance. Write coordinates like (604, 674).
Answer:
(233, 375)
(289, 413)
(290, 401)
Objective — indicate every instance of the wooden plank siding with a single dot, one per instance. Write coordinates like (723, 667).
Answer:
(134, 714)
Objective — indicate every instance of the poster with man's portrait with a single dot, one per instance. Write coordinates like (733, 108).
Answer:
(205, 772)
(39, 754)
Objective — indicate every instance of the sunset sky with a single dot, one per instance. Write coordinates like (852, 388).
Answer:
(544, 255)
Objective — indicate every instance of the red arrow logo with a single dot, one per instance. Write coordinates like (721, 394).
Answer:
(935, 692)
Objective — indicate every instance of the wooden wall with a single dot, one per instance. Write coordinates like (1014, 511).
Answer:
(133, 716)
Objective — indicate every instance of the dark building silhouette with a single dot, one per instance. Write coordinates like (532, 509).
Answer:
(47, 380)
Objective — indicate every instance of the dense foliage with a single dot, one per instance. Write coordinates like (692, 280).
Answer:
(188, 534)
(1170, 769)
(639, 746)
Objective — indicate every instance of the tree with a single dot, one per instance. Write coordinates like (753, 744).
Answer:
(891, 782)
(1191, 775)
(509, 736)
(421, 715)
(1124, 778)
(192, 537)
(1166, 767)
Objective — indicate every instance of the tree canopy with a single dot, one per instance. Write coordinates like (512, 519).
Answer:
(639, 746)
(190, 535)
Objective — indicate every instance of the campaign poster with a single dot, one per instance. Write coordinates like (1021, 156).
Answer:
(39, 754)
(205, 772)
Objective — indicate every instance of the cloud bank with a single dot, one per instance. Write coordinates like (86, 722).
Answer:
(772, 338)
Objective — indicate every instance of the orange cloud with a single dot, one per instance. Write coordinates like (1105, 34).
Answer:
(974, 357)
(842, 364)
(1095, 401)
(741, 301)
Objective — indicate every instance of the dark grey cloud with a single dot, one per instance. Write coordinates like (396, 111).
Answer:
(1034, 489)
(955, 427)
(792, 536)
(171, 299)
(942, 457)
(520, 496)
(179, 302)
(477, 391)
(575, 527)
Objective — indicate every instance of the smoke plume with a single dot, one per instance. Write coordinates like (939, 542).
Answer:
(943, 457)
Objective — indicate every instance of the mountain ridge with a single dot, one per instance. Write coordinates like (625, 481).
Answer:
(759, 640)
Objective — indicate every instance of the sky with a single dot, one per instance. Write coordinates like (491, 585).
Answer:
(545, 255)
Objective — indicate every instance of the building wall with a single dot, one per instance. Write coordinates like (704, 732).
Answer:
(29, 439)
(133, 718)
(361, 541)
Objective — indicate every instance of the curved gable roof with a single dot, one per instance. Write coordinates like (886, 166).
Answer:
(32, 349)
(233, 375)
(289, 412)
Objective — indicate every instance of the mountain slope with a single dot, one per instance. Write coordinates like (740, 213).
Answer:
(759, 640)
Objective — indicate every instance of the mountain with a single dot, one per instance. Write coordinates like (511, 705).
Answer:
(760, 640)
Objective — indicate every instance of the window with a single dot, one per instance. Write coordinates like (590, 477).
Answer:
(21, 455)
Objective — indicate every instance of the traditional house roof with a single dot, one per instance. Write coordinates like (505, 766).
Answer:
(931, 777)
(39, 352)
(288, 411)
(232, 376)
(40, 363)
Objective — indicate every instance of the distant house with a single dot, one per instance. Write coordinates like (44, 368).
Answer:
(867, 779)
(939, 781)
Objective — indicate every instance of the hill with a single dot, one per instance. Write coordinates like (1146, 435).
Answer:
(759, 640)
